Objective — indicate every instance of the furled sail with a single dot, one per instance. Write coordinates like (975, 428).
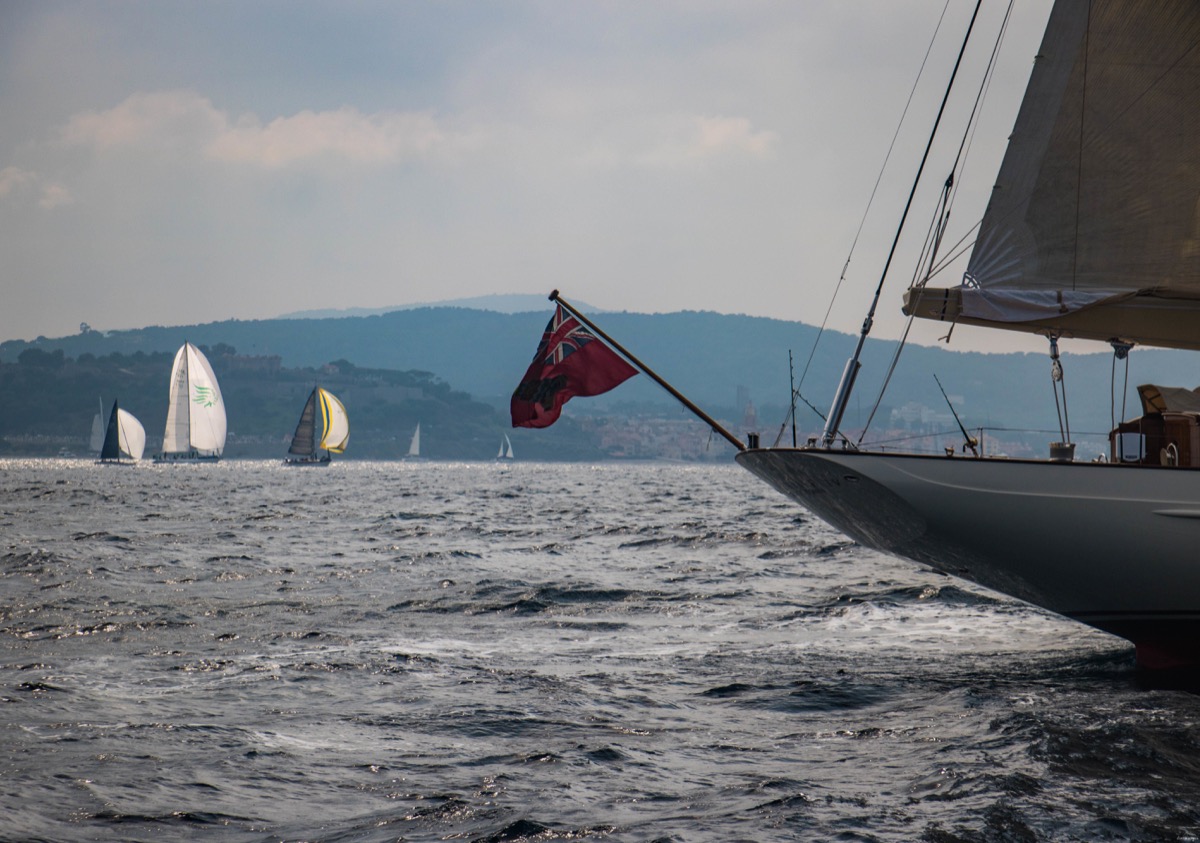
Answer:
(337, 423)
(195, 412)
(1093, 227)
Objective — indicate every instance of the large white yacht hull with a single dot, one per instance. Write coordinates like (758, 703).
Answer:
(1113, 546)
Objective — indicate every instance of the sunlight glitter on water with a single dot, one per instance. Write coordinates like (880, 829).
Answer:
(641, 652)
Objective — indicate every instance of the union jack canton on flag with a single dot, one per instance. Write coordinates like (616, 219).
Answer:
(569, 361)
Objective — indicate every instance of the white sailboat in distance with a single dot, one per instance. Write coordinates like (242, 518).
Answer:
(124, 436)
(414, 446)
(195, 430)
(96, 440)
(1091, 232)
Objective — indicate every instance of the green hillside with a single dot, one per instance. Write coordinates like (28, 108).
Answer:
(57, 397)
(718, 360)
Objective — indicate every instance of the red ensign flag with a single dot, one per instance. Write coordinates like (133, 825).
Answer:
(569, 361)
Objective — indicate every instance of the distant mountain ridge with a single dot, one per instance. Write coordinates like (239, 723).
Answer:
(719, 361)
(502, 303)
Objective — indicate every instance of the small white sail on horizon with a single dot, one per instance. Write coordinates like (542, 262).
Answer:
(124, 435)
(506, 451)
(335, 430)
(414, 446)
(196, 413)
(96, 441)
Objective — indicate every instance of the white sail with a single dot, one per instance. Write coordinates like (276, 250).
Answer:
(414, 447)
(195, 412)
(131, 436)
(176, 437)
(208, 410)
(337, 423)
(97, 439)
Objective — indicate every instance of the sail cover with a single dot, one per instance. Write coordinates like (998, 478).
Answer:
(304, 439)
(1098, 197)
(337, 423)
(1168, 399)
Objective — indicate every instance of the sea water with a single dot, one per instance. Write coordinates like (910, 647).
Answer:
(648, 652)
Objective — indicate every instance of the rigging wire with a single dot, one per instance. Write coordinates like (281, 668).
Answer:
(870, 201)
(940, 219)
(854, 363)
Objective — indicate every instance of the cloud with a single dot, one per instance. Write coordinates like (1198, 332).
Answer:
(14, 178)
(159, 120)
(185, 122)
(346, 133)
(719, 135)
(695, 140)
(55, 195)
(15, 182)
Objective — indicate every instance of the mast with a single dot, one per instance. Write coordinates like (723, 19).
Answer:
(187, 380)
(850, 373)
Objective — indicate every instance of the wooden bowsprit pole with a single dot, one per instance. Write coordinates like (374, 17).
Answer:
(675, 393)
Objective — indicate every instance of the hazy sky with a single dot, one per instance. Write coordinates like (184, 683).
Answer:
(172, 163)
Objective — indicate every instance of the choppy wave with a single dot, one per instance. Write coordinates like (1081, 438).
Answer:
(378, 651)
